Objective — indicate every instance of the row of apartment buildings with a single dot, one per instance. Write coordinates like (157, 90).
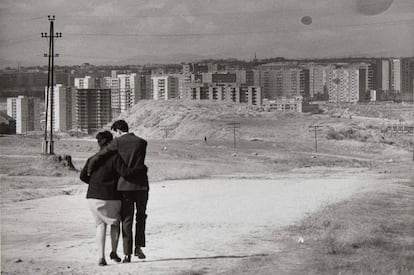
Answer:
(92, 101)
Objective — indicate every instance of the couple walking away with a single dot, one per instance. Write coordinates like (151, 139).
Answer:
(118, 183)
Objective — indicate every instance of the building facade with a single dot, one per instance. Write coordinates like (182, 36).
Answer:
(93, 109)
(129, 90)
(407, 77)
(252, 95)
(164, 87)
(293, 104)
(26, 112)
(62, 108)
(282, 82)
(86, 82)
(343, 84)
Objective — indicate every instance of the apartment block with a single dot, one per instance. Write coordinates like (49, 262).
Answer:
(26, 112)
(86, 82)
(129, 90)
(343, 84)
(407, 74)
(315, 82)
(293, 104)
(389, 75)
(395, 75)
(251, 95)
(62, 108)
(164, 87)
(281, 82)
(407, 77)
(112, 83)
(93, 109)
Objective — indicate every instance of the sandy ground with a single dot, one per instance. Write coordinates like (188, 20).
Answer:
(194, 226)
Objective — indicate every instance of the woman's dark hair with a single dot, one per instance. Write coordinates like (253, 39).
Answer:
(120, 125)
(104, 138)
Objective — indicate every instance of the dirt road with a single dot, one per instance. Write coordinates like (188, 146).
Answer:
(204, 225)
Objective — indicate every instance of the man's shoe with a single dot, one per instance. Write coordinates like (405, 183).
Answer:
(102, 262)
(127, 259)
(139, 253)
(114, 257)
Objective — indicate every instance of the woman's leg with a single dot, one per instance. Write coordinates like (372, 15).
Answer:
(100, 239)
(115, 231)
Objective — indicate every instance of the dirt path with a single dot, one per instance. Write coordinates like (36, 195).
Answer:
(203, 226)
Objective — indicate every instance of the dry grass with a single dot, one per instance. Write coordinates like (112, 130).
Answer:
(372, 233)
(369, 234)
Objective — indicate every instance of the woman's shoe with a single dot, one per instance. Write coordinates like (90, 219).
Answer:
(102, 262)
(115, 257)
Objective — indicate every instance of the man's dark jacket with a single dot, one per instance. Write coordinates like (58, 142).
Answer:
(132, 150)
(104, 180)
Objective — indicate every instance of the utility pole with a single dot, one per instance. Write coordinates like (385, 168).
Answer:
(47, 145)
(316, 129)
(234, 126)
(166, 129)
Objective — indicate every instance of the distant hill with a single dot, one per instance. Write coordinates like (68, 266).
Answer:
(161, 59)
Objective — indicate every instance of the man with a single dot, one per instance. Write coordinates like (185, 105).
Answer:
(134, 192)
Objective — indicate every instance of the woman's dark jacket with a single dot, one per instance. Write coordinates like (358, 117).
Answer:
(103, 181)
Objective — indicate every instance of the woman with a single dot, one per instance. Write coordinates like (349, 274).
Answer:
(103, 197)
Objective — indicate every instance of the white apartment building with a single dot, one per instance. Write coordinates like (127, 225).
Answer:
(343, 84)
(164, 87)
(113, 83)
(26, 112)
(86, 82)
(129, 90)
(292, 104)
(62, 108)
(384, 73)
(395, 75)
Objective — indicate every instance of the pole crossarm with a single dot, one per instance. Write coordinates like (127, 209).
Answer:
(166, 129)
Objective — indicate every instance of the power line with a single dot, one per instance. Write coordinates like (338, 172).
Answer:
(396, 22)
(338, 9)
(10, 42)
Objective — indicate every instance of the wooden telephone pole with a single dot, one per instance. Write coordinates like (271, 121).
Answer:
(234, 126)
(316, 130)
(47, 145)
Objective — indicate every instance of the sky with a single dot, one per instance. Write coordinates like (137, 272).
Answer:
(140, 31)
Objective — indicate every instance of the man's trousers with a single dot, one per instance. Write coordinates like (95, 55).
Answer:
(131, 200)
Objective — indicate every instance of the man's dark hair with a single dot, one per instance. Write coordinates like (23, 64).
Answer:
(120, 125)
(104, 138)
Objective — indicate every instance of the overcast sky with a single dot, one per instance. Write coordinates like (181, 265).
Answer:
(130, 31)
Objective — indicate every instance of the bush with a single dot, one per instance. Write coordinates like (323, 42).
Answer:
(348, 133)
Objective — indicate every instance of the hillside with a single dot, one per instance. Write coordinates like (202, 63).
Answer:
(192, 120)
(196, 120)
(390, 111)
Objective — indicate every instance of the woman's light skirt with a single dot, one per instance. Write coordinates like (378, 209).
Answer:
(105, 211)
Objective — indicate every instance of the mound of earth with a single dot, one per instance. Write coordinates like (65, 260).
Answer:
(192, 119)
(54, 166)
